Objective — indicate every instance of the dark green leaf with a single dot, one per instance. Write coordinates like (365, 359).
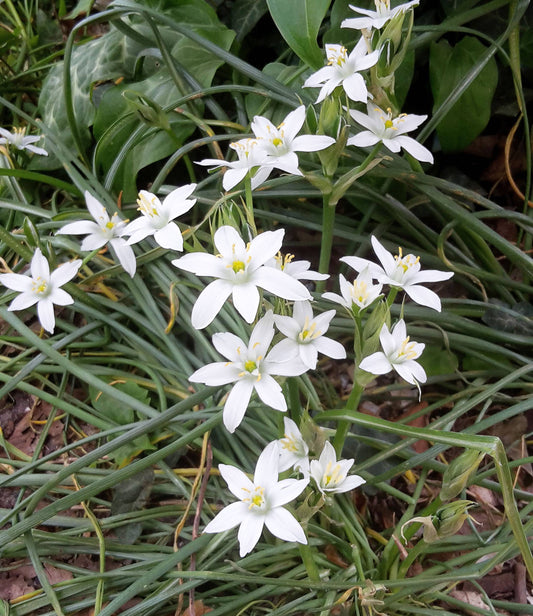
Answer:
(299, 22)
(449, 66)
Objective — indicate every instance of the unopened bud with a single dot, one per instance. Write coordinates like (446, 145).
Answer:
(445, 522)
(457, 475)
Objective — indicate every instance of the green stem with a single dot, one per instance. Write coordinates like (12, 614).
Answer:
(309, 561)
(343, 426)
(411, 556)
(328, 224)
(392, 295)
(249, 203)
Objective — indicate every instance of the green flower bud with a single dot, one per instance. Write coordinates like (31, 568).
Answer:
(445, 522)
(457, 475)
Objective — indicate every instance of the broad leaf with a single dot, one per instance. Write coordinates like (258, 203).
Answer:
(449, 66)
(299, 22)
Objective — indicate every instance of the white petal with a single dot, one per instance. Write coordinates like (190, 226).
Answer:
(246, 300)
(265, 246)
(288, 326)
(229, 517)
(385, 257)
(169, 237)
(363, 139)
(23, 301)
(350, 483)
(209, 303)
(229, 345)
(237, 403)
(17, 282)
(227, 241)
(37, 150)
(283, 524)
(287, 491)
(96, 209)
(61, 298)
(270, 392)
(125, 255)
(249, 533)
(93, 242)
(355, 88)
(238, 483)
(39, 266)
(215, 374)
(233, 176)
(293, 122)
(45, 311)
(266, 469)
(330, 348)
(280, 284)
(411, 371)
(417, 150)
(311, 143)
(283, 351)
(201, 264)
(65, 272)
(309, 355)
(377, 363)
(262, 335)
(176, 202)
(424, 297)
(431, 276)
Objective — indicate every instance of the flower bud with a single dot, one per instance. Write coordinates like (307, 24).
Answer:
(445, 522)
(458, 473)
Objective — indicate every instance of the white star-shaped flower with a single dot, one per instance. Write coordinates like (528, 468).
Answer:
(344, 70)
(42, 288)
(399, 354)
(251, 160)
(19, 140)
(402, 272)
(260, 503)
(358, 295)
(331, 475)
(157, 218)
(294, 452)
(390, 131)
(240, 269)
(305, 335)
(281, 143)
(378, 18)
(250, 367)
(103, 230)
(296, 269)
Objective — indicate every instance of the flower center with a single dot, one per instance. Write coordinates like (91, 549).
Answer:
(277, 141)
(407, 350)
(250, 365)
(360, 292)
(337, 57)
(405, 263)
(283, 261)
(309, 332)
(332, 475)
(238, 266)
(292, 443)
(39, 286)
(148, 206)
(382, 7)
(256, 498)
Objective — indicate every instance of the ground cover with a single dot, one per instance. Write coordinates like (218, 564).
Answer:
(173, 176)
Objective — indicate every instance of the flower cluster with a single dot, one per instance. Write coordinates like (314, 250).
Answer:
(274, 147)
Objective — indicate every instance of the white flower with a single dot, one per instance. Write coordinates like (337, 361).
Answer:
(343, 69)
(239, 269)
(403, 272)
(157, 217)
(390, 131)
(305, 335)
(18, 139)
(358, 295)
(398, 354)
(105, 230)
(281, 143)
(294, 452)
(42, 288)
(250, 156)
(378, 18)
(296, 269)
(250, 368)
(260, 503)
(330, 475)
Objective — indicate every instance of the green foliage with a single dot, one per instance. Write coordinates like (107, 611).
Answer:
(470, 113)
(299, 22)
